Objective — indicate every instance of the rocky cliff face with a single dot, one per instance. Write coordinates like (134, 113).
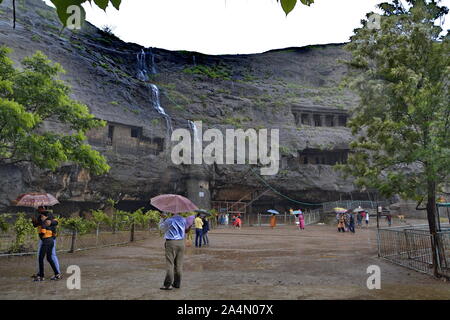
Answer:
(289, 89)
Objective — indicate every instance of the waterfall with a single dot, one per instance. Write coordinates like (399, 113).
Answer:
(142, 66)
(157, 106)
(194, 129)
(152, 59)
(142, 74)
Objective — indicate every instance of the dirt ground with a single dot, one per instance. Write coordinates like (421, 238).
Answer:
(251, 263)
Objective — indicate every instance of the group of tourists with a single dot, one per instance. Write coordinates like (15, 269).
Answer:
(346, 220)
(201, 231)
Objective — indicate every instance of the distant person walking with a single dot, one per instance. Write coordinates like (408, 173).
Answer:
(367, 219)
(273, 221)
(237, 222)
(205, 231)
(198, 231)
(351, 223)
(174, 229)
(341, 223)
(301, 220)
(359, 219)
(226, 219)
(389, 219)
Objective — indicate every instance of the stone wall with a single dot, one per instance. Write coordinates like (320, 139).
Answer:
(123, 138)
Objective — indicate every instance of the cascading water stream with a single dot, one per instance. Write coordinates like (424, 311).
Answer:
(157, 106)
(194, 129)
(152, 59)
(142, 66)
(142, 74)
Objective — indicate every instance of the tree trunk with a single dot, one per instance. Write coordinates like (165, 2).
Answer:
(132, 232)
(96, 234)
(114, 222)
(72, 245)
(14, 14)
(431, 215)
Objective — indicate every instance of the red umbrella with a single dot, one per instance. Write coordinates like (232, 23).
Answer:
(35, 200)
(173, 203)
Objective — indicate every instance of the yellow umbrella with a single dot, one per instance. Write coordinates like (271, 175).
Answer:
(340, 210)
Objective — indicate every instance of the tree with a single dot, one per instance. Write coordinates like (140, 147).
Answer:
(401, 73)
(30, 96)
(63, 7)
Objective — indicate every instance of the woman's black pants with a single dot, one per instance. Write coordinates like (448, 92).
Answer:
(46, 250)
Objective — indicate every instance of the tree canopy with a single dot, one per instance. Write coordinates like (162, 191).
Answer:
(401, 73)
(32, 95)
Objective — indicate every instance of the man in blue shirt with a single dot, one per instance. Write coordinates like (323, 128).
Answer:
(174, 229)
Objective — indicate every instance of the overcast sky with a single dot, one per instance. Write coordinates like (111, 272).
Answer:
(232, 26)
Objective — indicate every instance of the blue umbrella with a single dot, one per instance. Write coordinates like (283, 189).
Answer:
(297, 212)
(273, 211)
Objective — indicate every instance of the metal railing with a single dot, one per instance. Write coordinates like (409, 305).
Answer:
(410, 246)
(69, 242)
(351, 204)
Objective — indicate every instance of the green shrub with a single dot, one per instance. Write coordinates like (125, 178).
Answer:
(22, 228)
(4, 225)
(79, 225)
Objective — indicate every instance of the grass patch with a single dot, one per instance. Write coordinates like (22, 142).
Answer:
(236, 121)
(215, 72)
(35, 38)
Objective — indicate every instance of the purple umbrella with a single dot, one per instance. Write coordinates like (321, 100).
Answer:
(189, 221)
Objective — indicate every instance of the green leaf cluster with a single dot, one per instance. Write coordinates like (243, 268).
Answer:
(289, 5)
(64, 14)
(32, 95)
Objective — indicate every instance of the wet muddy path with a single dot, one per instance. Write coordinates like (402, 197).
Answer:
(251, 263)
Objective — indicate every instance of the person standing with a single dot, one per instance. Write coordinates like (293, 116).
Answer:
(273, 221)
(367, 219)
(351, 223)
(359, 219)
(389, 219)
(341, 223)
(237, 223)
(226, 220)
(205, 231)
(198, 222)
(301, 220)
(174, 229)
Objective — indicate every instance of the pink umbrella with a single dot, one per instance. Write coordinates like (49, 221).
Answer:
(35, 200)
(173, 203)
